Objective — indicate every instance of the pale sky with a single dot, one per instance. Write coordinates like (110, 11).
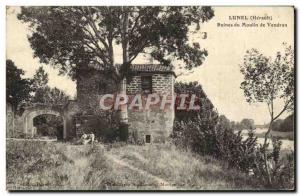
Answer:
(219, 75)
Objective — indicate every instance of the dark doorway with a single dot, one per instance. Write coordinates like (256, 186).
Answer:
(48, 126)
(60, 132)
(148, 138)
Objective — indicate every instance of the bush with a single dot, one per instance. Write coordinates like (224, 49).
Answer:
(243, 154)
(114, 134)
(205, 132)
(104, 124)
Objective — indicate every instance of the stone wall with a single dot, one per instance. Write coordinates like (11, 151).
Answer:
(70, 111)
(9, 121)
(161, 84)
(156, 123)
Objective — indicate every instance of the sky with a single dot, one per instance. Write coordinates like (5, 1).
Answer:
(219, 75)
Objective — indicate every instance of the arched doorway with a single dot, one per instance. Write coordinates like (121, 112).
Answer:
(48, 126)
(28, 121)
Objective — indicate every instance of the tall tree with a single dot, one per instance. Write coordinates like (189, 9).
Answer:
(40, 81)
(224, 122)
(49, 95)
(43, 93)
(47, 124)
(40, 78)
(269, 81)
(71, 37)
(192, 127)
(18, 89)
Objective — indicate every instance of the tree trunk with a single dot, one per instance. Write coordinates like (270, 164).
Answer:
(265, 153)
(125, 47)
(123, 109)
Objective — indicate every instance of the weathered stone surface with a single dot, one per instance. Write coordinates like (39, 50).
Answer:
(84, 114)
(24, 123)
(158, 124)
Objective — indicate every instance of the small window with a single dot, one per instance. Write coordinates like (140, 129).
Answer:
(147, 84)
(148, 138)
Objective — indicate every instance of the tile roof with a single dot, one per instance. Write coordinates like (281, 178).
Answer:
(154, 68)
(151, 68)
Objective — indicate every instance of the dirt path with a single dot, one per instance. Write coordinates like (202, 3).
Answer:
(162, 184)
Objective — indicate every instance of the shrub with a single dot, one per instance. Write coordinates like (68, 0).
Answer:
(243, 154)
(104, 124)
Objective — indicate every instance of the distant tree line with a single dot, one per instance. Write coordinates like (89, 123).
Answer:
(245, 124)
(285, 125)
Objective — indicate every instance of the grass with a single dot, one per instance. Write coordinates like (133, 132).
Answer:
(184, 170)
(36, 165)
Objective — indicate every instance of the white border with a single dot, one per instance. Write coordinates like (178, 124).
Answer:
(5, 3)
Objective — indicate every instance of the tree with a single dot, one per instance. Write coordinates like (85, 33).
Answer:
(276, 125)
(224, 122)
(49, 124)
(40, 81)
(18, 89)
(287, 124)
(45, 94)
(40, 78)
(247, 124)
(268, 81)
(72, 37)
(52, 96)
(193, 127)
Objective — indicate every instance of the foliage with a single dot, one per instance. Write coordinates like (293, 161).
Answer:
(206, 116)
(110, 135)
(47, 125)
(276, 125)
(18, 89)
(225, 122)
(219, 142)
(207, 110)
(281, 167)
(94, 33)
(43, 93)
(240, 153)
(104, 125)
(286, 125)
(40, 78)
(245, 124)
(214, 135)
(51, 96)
(268, 81)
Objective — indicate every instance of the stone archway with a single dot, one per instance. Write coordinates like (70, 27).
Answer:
(32, 112)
